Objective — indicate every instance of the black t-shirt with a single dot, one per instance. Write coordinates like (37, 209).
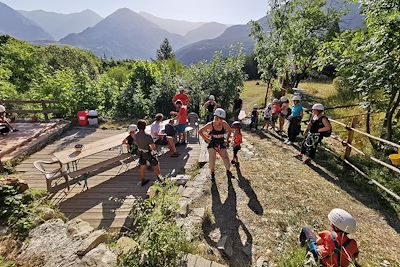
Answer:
(238, 103)
(169, 130)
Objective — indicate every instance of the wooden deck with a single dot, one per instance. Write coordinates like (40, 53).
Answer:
(107, 202)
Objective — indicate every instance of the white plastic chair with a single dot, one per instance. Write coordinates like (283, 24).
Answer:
(52, 173)
(193, 119)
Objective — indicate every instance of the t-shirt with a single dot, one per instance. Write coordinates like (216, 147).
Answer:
(237, 103)
(170, 130)
(155, 129)
(276, 109)
(182, 115)
(237, 139)
(297, 110)
(144, 140)
(267, 112)
(182, 97)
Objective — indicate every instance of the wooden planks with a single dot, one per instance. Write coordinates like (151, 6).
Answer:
(112, 190)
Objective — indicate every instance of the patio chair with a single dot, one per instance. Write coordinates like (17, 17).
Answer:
(52, 173)
(193, 119)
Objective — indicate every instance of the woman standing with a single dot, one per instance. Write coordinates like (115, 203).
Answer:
(210, 107)
(213, 134)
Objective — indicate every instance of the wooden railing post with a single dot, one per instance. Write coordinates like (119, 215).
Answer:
(350, 137)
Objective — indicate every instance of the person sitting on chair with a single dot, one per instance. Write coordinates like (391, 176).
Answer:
(5, 126)
(129, 141)
(160, 137)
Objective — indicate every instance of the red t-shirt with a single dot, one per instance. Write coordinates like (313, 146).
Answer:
(326, 249)
(276, 109)
(182, 115)
(237, 139)
(182, 97)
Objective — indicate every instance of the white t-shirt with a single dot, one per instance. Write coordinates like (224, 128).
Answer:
(156, 128)
(267, 112)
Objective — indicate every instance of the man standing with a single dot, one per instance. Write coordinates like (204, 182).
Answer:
(182, 96)
(182, 120)
(146, 152)
(237, 107)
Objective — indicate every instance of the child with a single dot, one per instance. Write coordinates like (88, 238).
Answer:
(267, 116)
(5, 126)
(237, 141)
(254, 118)
(318, 128)
(170, 128)
(332, 248)
(129, 141)
(295, 120)
(285, 112)
(276, 110)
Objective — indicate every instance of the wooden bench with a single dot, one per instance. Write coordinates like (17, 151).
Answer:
(43, 103)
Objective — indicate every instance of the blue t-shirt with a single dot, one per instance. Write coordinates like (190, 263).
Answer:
(297, 110)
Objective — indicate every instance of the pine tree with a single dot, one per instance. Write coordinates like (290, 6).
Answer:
(165, 52)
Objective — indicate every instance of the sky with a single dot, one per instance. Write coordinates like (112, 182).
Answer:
(224, 11)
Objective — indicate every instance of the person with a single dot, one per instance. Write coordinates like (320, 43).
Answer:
(285, 112)
(237, 107)
(182, 118)
(5, 126)
(213, 134)
(237, 141)
(129, 141)
(276, 110)
(170, 129)
(146, 152)
(332, 248)
(182, 96)
(267, 115)
(295, 120)
(160, 137)
(254, 117)
(318, 128)
(210, 107)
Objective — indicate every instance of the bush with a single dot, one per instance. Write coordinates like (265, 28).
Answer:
(344, 90)
(161, 241)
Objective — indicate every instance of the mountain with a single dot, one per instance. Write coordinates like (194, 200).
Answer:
(206, 31)
(180, 27)
(122, 35)
(204, 50)
(16, 25)
(60, 25)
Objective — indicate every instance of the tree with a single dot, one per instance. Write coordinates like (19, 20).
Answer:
(165, 51)
(287, 46)
(369, 59)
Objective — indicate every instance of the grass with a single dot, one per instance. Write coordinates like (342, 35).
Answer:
(253, 94)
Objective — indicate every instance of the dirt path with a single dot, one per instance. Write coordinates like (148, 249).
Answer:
(274, 195)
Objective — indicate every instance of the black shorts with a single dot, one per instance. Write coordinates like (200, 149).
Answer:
(161, 142)
(145, 157)
(236, 150)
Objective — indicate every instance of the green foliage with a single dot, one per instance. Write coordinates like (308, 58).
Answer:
(7, 263)
(163, 92)
(165, 51)
(20, 210)
(293, 258)
(161, 241)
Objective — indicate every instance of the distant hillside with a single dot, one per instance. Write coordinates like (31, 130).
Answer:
(60, 25)
(123, 34)
(180, 27)
(16, 25)
(206, 31)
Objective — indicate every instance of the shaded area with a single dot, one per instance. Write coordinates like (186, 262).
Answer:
(254, 204)
(228, 223)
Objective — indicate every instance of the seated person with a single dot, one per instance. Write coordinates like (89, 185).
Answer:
(5, 126)
(332, 248)
(170, 128)
(129, 141)
(160, 137)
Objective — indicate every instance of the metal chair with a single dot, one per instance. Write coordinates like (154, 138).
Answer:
(53, 173)
(194, 119)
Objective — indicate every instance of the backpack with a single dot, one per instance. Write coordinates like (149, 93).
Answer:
(328, 133)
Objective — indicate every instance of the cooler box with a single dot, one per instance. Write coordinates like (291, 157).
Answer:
(93, 118)
(83, 118)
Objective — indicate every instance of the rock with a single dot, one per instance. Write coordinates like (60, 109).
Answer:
(99, 257)
(3, 230)
(126, 244)
(199, 212)
(23, 186)
(225, 245)
(188, 192)
(184, 208)
(262, 262)
(77, 228)
(385, 263)
(93, 240)
(180, 190)
(48, 213)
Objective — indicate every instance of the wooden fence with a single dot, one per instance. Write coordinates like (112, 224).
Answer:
(43, 103)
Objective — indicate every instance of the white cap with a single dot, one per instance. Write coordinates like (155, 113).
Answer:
(297, 98)
(318, 106)
(219, 112)
(211, 97)
(2, 108)
(275, 100)
(132, 128)
(284, 99)
(342, 220)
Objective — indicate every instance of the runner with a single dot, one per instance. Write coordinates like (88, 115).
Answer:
(146, 153)
(182, 96)
(213, 133)
(210, 107)
(318, 128)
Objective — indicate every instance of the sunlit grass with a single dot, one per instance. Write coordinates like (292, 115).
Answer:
(318, 89)
(253, 94)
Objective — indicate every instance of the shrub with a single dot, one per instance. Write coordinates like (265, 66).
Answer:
(161, 241)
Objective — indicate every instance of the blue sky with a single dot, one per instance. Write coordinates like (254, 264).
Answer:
(225, 11)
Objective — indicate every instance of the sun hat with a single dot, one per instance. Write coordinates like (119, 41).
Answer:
(342, 220)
